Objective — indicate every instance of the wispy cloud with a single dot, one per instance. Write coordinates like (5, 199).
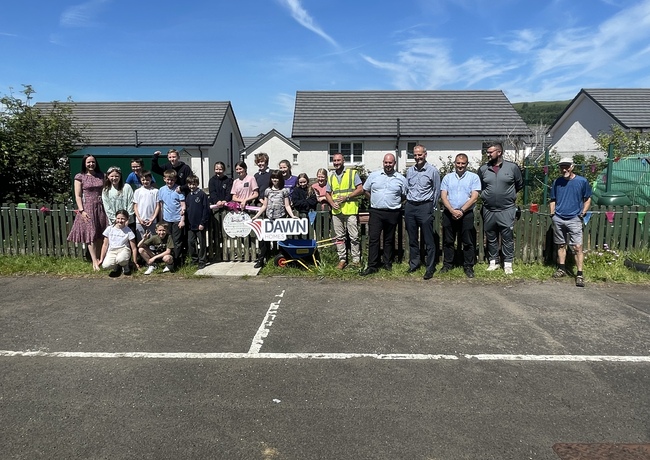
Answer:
(83, 15)
(427, 63)
(304, 19)
(539, 63)
(6, 34)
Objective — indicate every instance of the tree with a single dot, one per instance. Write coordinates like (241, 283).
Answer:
(34, 149)
(625, 143)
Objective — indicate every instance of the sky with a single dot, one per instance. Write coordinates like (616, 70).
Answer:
(258, 53)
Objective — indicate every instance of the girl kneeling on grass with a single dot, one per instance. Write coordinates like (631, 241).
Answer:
(119, 246)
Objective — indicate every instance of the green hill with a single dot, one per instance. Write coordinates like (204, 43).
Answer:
(544, 112)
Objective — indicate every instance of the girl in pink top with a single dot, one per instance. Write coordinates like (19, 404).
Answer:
(244, 188)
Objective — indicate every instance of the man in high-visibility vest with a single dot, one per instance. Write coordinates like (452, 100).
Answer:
(343, 186)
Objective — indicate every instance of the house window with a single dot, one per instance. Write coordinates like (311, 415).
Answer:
(295, 158)
(352, 151)
(410, 146)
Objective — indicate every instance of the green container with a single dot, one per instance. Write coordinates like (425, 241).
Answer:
(614, 199)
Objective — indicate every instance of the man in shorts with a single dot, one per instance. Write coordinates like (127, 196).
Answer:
(570, 201)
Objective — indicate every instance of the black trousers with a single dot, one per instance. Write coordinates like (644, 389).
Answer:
(419, 220)
(196, 245)
(382, 221)
(451, 229)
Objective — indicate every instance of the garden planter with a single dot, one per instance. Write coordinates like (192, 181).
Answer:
(645, 268)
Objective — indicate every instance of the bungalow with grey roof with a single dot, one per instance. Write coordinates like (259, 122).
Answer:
(203, 132)
(364, 125)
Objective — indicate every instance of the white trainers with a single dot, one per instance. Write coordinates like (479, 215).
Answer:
(493, 266)
(167, 269)
(150, 270)
(507, 268)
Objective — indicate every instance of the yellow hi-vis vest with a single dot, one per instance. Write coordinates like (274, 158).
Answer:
(344, 188)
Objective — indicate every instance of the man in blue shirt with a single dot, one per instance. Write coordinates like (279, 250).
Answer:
(570, 201)
(386, 189)
(459, 191)
(423, 181)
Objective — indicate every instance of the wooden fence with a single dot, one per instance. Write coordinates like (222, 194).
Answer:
(43, 230)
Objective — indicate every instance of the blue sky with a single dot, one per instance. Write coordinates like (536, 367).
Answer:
(258, 53)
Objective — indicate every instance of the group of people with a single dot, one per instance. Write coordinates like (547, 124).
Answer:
(134, 218)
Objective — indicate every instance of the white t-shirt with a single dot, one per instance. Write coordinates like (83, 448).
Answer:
(146, 199)
(118, 237)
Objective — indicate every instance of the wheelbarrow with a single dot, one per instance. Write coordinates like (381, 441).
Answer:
(299, 251)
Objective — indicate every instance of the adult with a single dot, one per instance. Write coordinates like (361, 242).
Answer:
(459, 191)
(290, 180)
(263, 174)
(500, 182)
(244, 188)
(90, 221)
(570, 201)
(423, 180)
(344, 185)
(386, 189)
(134, 179)
(183, 171)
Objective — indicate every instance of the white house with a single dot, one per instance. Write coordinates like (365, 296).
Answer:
(594, 111)
(365, 125)
(277, 147)
(203, 132)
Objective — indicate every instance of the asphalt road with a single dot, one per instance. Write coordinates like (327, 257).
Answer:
(281, 368)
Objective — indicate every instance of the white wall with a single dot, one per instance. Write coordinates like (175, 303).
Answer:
(220, 151)
(277, 150)
(314, 154)
(577, 133)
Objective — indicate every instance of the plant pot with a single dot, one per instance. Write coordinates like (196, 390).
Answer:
(645, 268)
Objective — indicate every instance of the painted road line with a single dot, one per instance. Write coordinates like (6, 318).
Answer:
(329, 356)
(265, 327)
(565, 358)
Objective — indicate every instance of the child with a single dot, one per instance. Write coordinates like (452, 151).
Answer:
(276, 204)
(303, 197)
(119, 246)
(197, 205)
(145, 206)
(157, 247)
(134, 179)
(117, 195)
(173, 213)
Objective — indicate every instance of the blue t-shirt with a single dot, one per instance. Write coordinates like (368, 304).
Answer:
(569, 196)
(171, 203)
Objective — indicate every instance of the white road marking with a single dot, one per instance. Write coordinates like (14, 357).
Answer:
(265, 327)
(329, 356)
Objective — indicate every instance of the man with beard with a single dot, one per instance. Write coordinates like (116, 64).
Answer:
(500, 182)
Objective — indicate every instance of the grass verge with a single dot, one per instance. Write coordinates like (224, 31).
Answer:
(600, 266)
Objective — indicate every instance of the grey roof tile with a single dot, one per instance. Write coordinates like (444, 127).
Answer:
(486, 114)
(629, 106)
(157, 123)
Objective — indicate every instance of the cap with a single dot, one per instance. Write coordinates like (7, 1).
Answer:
(566, 161)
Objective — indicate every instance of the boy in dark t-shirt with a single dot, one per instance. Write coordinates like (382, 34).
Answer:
(156, 248)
